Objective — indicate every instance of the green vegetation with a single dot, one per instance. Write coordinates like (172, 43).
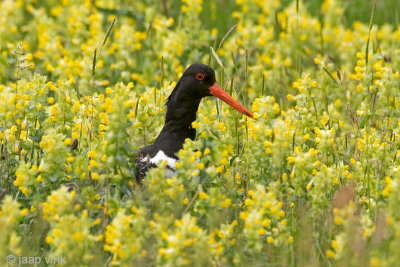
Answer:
(312, 181)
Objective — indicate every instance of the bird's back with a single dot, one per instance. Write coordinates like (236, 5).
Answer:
(143, 162)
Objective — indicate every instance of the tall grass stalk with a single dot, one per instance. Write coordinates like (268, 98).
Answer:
(371, 23)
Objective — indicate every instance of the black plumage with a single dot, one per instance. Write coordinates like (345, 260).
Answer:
(197, 81)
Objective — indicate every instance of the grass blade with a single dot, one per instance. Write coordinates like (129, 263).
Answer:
(108, 32)
(216, 57)
(371, 21)
(226, 36)
(94, 62)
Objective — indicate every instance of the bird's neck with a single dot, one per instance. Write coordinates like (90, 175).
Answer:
(181, 114)
(178, 126)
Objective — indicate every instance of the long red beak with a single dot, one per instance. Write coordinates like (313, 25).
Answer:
(215, 90)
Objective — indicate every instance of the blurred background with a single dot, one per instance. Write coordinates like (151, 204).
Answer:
(387, 11)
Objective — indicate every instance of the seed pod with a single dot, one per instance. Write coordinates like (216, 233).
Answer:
(74, 144)
(387, 59)
(4, 154)
(70, 186)
(2, 193)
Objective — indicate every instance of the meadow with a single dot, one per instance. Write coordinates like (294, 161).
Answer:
(313, 180)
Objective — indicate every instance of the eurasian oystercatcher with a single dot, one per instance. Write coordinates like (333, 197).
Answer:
(197, 81)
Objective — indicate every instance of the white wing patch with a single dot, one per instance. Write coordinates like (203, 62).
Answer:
(161, 157)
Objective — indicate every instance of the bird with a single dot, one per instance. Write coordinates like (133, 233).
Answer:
(197, 81)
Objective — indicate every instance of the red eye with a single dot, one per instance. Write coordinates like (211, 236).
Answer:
(200, 76)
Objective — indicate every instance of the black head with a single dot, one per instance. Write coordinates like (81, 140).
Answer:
(196, 81)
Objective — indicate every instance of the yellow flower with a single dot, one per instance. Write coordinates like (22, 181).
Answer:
(291, 159)
(330, 254)
(334, 244)
(203, 195)
(67, 141)
(226, 203)
(220, 169)
(95, 176)
(49, 240)
(109, 91)
(266, 223)
(41, 167)
(22, 135)
(50, 100)
(262, 231)
(195, 125)
(200, 166)
(78, 236)
(91, 154)
(93, 163)
(338, 220)
(13, 129)
(24, 212)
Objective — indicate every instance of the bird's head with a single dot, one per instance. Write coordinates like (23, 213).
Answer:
(199, 81)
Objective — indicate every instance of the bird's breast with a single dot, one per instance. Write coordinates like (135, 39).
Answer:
(160, 157)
